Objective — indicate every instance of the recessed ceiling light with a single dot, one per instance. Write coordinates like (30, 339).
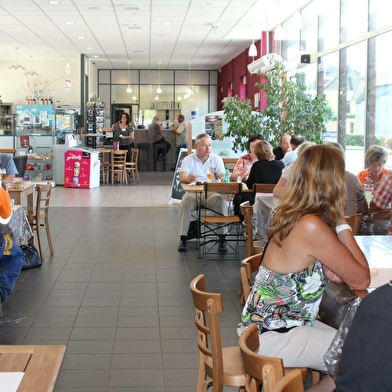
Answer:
(89, 47)
(53, 2)
(69, 23)
(95, 56)
(80, 37)
(166, 23)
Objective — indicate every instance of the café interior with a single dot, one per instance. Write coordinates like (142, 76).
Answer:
(116, 292)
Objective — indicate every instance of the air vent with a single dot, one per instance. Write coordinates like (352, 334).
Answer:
(134, 27)
(132, 7)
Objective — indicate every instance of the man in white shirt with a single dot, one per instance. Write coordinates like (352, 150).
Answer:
(291, 156)
(194, 168)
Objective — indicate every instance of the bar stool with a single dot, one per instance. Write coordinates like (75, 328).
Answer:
(160, 146)
(144, 157)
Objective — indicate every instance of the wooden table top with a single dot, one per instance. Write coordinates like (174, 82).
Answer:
(40, 364)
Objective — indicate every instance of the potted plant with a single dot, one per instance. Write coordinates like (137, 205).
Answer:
(289, 109)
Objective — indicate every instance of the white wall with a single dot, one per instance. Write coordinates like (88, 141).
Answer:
(13, 83)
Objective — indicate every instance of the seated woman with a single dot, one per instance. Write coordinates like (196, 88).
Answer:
(267, 170)
(244, 164)
(376, 157)
(309, 245)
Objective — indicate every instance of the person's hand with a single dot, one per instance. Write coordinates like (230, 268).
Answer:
(192, 178)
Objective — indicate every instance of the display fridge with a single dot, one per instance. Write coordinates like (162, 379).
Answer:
(81, 168)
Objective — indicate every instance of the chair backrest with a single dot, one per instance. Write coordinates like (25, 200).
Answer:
(205, 309)
(134, 155)
(230, 163)
(20, 163)
(248, 266)
(247, 212)
(119, 157)
(355, 222)
(43, 199)
(292, 382)
(254, 362)
(263, 188)
(227, 189)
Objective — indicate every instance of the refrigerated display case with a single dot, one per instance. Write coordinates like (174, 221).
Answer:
(34, 137)
(81, 168)
(67, 121)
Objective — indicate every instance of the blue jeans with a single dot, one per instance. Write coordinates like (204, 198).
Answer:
(11, 261)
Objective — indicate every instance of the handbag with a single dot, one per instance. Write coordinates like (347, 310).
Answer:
(333, 356)
(32, 259)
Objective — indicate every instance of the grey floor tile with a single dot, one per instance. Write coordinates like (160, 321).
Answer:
(116, 292)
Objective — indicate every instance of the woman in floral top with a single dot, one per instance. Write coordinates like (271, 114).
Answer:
(309, 244)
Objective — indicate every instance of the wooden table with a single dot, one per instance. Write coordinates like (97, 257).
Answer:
(40, 364)
(19, 194)
(265, 204)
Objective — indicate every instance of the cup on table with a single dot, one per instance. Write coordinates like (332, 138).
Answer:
(3, 174)
(368, 188)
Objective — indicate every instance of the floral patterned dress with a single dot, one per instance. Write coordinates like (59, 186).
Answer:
(280, 301)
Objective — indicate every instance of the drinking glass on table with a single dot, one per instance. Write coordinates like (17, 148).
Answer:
(368, 188)
(3, 174)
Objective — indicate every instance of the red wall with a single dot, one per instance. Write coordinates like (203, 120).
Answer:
(233, 72)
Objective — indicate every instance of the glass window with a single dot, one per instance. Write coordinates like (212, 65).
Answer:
(328, 79)
(120, 94)
(328, 24)
(308, 41)
(352, 104)
(353, 19)
(379, 93)
(379, 14)
(290, 44)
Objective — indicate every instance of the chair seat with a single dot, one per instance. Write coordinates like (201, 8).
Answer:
(221, 219)
(233, 368)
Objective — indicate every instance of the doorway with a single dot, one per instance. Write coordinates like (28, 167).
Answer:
(131, 109)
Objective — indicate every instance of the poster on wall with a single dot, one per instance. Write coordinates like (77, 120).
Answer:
(177, 192)
(68, 84)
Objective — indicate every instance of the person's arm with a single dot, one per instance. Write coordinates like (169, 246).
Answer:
(240, 169)
(178, 129)
(251, 179)
(279, 187)
(187, 178)
(363, 206)
(382, 195)
(342, 259)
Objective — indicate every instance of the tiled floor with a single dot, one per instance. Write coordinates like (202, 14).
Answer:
(116, 292)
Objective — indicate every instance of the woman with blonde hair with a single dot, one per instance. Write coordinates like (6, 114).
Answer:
(267, 170)
(309, 244)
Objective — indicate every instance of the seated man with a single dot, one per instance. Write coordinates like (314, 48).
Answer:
(7, 163)
(195, 167)
(283, 148)
(291, 156)
(11, 257)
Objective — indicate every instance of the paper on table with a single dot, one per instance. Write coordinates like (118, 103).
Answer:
(383, 277)
(10, 381)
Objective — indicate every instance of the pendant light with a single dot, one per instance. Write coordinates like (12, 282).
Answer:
(159, 90)
(252, 49)
(16, 67)
(129, 89)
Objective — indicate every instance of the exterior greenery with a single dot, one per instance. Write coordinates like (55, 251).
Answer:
(290, 109)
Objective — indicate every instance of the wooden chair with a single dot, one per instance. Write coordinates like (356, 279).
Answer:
(222, 365)
(263, 188)
(131, 167)
(292, 382)
(355, 222)
(230, 163)
(249, 265)
(117, 166)
(104, 166)
(254, 363)
(212, 225)
(39, 219)
(251, 247)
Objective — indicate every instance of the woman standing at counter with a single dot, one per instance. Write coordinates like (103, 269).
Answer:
(123, 132)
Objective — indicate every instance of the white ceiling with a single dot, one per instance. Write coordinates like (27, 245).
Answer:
(119, 31)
